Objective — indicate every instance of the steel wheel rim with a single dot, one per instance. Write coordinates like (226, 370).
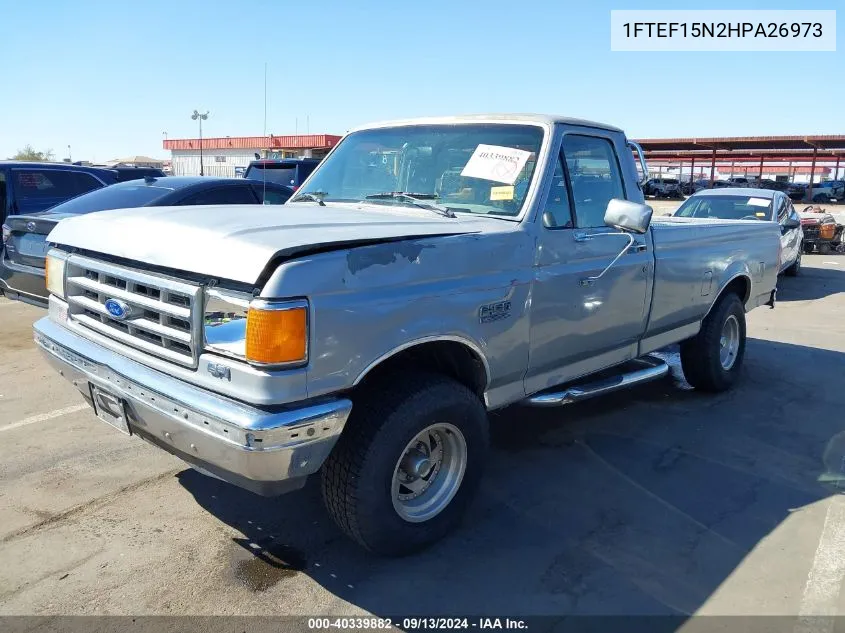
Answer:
(729, 342)
(429, 472)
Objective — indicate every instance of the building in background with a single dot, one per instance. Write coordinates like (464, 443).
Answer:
(229, 156)
(137, 161)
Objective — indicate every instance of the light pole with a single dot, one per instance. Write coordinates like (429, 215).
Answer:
(196, 116)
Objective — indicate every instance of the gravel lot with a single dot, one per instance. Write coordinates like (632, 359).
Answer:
(659, 500)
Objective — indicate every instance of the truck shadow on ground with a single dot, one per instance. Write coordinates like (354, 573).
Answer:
(813, 283)
(640, 503)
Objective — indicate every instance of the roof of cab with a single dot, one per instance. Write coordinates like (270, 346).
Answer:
(537, 119)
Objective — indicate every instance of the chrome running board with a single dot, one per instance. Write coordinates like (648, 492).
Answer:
(651, 368)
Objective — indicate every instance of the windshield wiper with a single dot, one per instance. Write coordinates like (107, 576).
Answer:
(417, 199)
(314, 196)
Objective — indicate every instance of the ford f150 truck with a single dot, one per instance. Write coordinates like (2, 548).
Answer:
(427, 272)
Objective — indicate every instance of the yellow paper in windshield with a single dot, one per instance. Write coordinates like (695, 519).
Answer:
(760, 215)
(501, 193)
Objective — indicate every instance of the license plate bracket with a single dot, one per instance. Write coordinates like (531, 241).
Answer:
(110, 408)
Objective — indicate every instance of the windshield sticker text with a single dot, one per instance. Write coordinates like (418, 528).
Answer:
(502, 193)
(496, 163)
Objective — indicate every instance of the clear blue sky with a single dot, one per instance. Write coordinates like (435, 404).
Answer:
(108, 77)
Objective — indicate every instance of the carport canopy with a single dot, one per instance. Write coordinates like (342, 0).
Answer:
(828, 149)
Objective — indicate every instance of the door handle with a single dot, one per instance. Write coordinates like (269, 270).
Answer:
(636, 247)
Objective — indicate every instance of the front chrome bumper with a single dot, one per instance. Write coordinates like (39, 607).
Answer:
(267, 452)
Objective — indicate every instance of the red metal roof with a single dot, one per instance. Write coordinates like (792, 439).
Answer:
(299, 141)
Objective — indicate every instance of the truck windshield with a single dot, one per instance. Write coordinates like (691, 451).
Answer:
(726, 208)
(467, 168)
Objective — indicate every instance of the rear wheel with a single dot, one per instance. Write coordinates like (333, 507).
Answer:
(712, 359)
(824, 248)
(407, 464)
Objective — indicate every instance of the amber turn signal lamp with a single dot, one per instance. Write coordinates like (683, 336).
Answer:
(276, 335)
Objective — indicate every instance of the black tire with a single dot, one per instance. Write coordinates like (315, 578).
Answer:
(808, 248)
(700, 355)
(357, 476)
(795, 269)
(824, 248)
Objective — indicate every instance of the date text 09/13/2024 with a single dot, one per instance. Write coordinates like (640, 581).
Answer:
(418, 623)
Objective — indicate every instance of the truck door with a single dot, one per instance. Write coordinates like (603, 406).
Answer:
(579, 327)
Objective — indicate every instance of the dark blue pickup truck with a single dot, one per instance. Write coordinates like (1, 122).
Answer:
(31, 187)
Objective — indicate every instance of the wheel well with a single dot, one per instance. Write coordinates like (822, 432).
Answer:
(450, 358)
(741, 286)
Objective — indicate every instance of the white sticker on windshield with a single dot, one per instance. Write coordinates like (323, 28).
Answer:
(758, 202)
(496, 163)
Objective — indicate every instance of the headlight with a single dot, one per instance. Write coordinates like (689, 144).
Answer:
(264, 333)
(54, 271)
(7, 233)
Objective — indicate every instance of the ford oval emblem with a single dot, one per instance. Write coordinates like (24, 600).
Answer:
(118, 309)
(30, 226)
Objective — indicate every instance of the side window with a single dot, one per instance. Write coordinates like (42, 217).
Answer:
(793, 214)
(222, 195)
(780, 209)
(594, 176)
(35, 184)
(271, 196)
(558, 213)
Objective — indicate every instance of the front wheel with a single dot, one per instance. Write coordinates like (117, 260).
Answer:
(407, 464)
(712, 359)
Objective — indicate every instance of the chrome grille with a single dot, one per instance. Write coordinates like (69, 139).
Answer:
(164, 313)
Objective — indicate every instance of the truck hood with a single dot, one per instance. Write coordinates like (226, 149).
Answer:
(237, 242)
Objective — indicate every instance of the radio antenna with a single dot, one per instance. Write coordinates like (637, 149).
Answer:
(264, 171)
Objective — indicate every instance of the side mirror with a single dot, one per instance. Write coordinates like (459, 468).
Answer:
(791, 223)
(628, 216)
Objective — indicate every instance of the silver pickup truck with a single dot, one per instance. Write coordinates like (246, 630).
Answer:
(427, 272)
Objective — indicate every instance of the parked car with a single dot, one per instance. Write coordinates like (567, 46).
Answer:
(774, 185)
(704, 183)
(27, 187)
(821, 232)
(663, 188)
(136, 173)
(291, 172)
(25, 236)
(367, 330)
(743, 203)
(828, 191)
(687, 187)
(742, 181)
(796, 190)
